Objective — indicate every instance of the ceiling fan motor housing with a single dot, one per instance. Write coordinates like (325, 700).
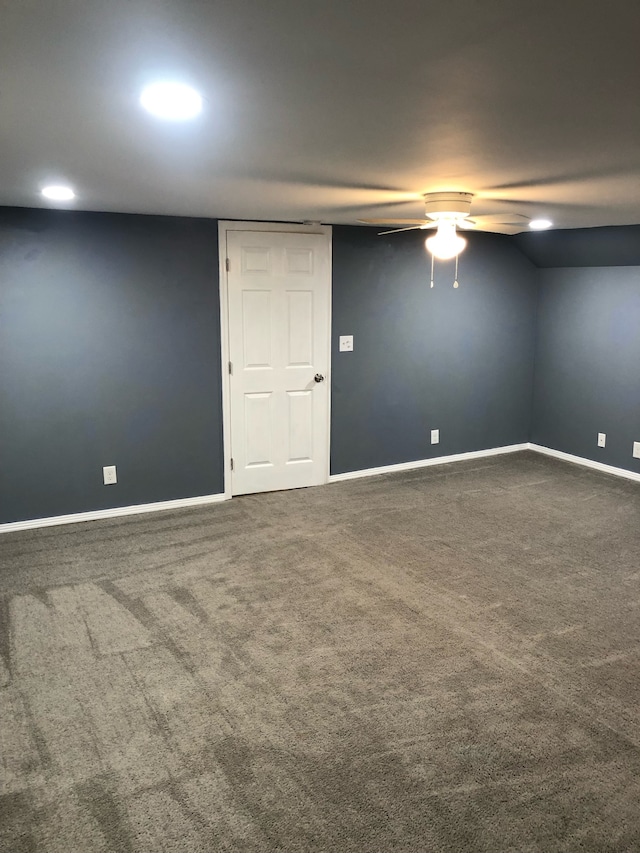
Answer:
(448, 205)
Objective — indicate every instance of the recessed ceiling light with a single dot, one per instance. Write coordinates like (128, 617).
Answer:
(540, 224)
(172, 101)
(58, 192)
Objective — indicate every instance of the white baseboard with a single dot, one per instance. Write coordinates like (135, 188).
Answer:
(425, 463)
(182, 503)
(114, 512)
(587, 463)
(479, 454)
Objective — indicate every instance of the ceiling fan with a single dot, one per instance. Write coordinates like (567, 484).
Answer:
(448, 211)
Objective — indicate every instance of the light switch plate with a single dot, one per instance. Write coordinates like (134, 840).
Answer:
(346, 343)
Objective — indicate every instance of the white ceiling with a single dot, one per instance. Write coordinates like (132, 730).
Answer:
(328, 110)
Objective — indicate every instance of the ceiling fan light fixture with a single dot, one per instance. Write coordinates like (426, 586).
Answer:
(445, 243)
(540, 224)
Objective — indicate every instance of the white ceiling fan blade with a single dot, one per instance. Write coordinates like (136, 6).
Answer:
(506, 228)
(498, 223)
(498, 227)
(408, 228)
(500, 219)
(395, 221)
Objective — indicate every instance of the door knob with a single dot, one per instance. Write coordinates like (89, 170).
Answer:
(319, 377)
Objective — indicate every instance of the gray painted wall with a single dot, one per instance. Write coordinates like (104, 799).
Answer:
(587, 376)
(460, 361)
(109, 354)
(611, 246)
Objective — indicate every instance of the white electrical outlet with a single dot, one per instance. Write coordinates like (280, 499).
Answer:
(435, 436)
(602, 439)
(109, 475)
(346, 343)
(636, 449)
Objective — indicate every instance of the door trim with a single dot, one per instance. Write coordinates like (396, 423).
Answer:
(281, 227)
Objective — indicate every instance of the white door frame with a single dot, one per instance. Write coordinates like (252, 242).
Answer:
(281, 227)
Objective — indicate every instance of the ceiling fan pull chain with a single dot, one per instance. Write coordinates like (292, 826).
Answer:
(431, 285)
(455, 281)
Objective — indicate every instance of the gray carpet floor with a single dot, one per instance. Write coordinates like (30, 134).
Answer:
(443, 660)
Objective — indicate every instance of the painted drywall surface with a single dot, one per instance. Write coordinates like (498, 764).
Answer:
(611, 246)
(457, 360)
(110, 355)
(587, 374)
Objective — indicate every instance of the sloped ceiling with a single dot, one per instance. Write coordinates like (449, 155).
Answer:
(328, 110)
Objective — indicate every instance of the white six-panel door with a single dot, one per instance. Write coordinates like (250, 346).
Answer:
(278, 303)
